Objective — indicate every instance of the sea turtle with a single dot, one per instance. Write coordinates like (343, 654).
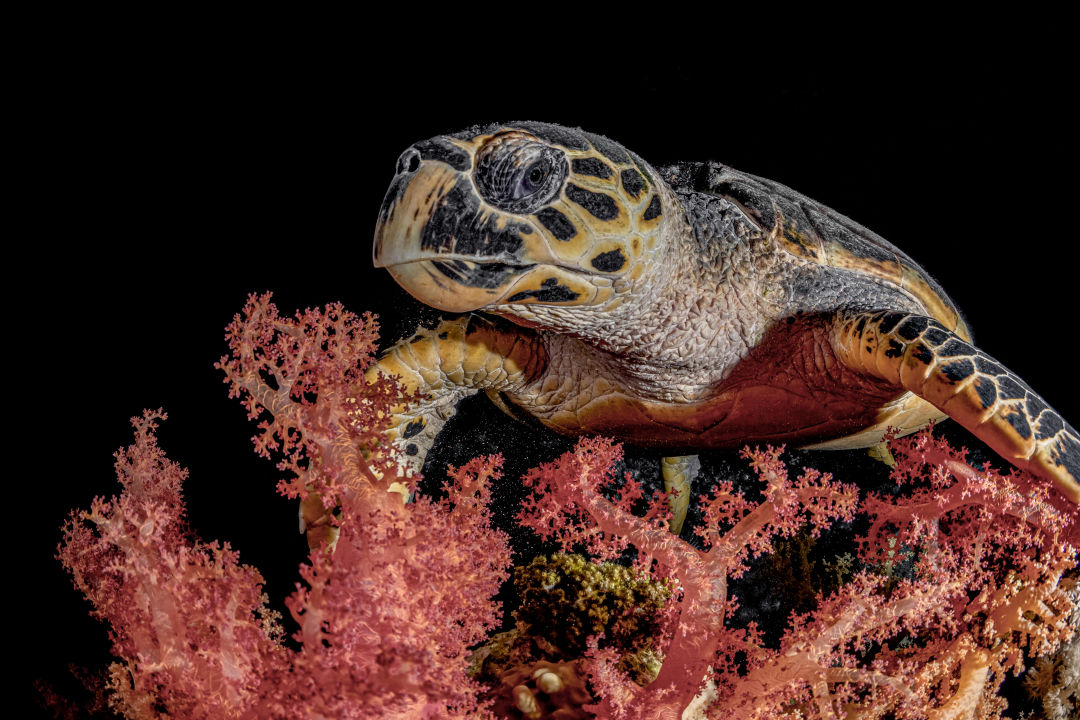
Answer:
(684, 308)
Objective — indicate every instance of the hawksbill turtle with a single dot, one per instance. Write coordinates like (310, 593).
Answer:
(684, 308)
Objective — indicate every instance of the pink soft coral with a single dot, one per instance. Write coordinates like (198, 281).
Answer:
(385, 619)
(569, 505)
(188, 622)
(989, 553)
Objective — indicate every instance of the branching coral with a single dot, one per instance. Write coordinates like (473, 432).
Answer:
(990, 550)
(189, 623)
(384, 621)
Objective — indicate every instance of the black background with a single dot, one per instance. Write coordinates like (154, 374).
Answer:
(171, 174)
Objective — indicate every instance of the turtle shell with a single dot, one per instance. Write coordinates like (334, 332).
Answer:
(818, 235)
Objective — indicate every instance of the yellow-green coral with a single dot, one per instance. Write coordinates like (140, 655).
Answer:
(566, 598)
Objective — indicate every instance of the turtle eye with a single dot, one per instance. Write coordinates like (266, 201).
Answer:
(517, 173)
(532, 179)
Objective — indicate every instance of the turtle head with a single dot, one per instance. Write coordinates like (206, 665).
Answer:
(518, 215)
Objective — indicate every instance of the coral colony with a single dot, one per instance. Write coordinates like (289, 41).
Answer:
(963, 577)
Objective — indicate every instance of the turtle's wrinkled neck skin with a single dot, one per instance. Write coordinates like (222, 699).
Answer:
(711, 287)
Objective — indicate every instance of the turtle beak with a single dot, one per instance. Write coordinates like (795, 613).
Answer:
(441, 242)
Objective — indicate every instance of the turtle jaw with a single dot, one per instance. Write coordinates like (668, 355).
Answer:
(444, 246)
(439, 282)
(449, 249)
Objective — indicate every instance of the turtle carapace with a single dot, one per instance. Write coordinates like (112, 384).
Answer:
(683, 308)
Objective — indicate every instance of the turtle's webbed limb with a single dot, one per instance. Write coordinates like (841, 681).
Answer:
(921, 355)
(445, 364)
(679, 473)
(441, 366)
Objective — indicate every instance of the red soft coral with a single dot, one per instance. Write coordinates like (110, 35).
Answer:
(989, 552)
(188, 622)
(385, 619)
(570, 507)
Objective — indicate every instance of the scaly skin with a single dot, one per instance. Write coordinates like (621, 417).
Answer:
(443, 365)
(919, 354)
(688, 308)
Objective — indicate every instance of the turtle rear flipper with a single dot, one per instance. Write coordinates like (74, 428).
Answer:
(921, 355)
(679, 472)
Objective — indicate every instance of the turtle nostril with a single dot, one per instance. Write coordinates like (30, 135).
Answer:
(409, 162)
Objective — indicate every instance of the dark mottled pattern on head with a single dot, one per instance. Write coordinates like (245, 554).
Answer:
(632, 182)
(599, 205)
(519, 174)
(458, 226)
(609, 261)
(610, 149)
(570, 138)
(480, 275)
(441, 150)
(558, 224)
(591, 166)
(550, 291)
(393, 195)
(653, 211)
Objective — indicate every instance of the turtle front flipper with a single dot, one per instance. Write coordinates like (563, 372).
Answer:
(441, 366)
(921, 355)
(437, 367)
